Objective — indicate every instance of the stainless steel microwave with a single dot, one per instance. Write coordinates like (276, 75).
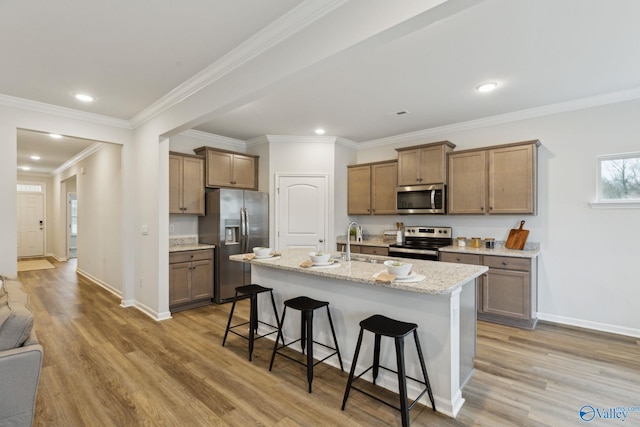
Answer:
(421, 199)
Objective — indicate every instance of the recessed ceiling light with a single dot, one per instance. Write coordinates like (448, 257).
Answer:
(487, 87)
(35, 157)
(55, 136)
(319, 131)
(84, 97)
(25, 168)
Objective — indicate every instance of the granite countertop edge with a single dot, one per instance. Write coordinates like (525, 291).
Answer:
(532, 251)
(190, 247)
(440, 278)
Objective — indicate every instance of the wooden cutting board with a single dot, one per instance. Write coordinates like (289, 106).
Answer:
(517, 238)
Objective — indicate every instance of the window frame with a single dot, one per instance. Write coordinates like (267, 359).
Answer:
(600, 201)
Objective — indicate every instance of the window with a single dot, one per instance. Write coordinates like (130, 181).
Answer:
(29, 188)
(619, 179)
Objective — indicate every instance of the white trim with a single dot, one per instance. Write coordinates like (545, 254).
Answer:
(78, 157)
(615, 205)
(300, 139)
(562, 107)
(284, 27)
(99, 282)
(587, 324)
(41, 107)
(218, 140)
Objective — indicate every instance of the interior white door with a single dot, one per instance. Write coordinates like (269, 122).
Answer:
(30, 225)
(301, 211)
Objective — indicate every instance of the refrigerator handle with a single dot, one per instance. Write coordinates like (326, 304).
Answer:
(245, 230)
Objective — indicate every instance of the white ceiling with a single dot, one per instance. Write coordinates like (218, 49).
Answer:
(131, 54)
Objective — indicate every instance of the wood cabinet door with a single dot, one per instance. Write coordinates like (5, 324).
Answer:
(244, 172)
(408, 167)
(433, 165)
(193, 185)
(384, 178)
(219, 169)
(512, 180)
(179, 278)
(202, 279)
(467, 186)
(175, 184)
(507, 293)
(359, 190)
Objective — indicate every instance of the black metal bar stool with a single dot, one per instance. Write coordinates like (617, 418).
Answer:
(384, 326)
(306, 306)
(251, 292)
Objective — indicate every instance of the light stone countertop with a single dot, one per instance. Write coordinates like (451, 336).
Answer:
(190, 247)
(441, 277)
(531, 250)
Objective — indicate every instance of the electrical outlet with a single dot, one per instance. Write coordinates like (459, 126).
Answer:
(171, 228)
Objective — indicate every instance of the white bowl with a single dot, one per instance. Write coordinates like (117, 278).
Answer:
(398, 268)
(261, 251)
(319, 257)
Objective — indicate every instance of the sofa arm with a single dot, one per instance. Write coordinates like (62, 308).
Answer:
(19, 376)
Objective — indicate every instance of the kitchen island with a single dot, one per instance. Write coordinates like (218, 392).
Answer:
(443, 305)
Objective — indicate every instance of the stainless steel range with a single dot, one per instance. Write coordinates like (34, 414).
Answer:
(422, 242)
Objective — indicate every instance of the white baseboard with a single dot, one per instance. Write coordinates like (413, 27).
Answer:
(587, 324)
(99, 282)
(126, 303)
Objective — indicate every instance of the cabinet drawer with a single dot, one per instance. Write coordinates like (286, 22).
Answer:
(342, 247)
(186, 256)
(460, 258)
(374, 250)
(507, 263)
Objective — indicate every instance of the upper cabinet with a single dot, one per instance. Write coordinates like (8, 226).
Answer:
(186, 184)
(423, 164)
(228, 169)
(372, 188)
(493, 180)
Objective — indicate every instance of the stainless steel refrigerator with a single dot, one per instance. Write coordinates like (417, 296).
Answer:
(235, 221)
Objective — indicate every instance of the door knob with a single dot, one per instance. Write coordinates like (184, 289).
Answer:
(321, 240)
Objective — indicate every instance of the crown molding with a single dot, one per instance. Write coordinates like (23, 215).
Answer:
(347, 143)
(218, 140)
(561, 107)
(300, 139)
(284, 27)
(69, 113)
(94, 148)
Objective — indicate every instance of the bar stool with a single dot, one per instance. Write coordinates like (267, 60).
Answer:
(251, 292)
(384, 326)
(306, 306)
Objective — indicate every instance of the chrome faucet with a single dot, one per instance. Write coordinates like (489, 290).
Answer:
(348, 256)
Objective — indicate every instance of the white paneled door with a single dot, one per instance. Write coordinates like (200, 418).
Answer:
(30, 225)
(301, 211)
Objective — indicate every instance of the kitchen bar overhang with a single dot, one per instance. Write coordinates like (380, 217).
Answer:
(443, 305)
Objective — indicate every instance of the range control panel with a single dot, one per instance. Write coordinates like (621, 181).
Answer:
(420, 231)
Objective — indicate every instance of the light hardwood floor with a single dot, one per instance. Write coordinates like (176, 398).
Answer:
(105, 365)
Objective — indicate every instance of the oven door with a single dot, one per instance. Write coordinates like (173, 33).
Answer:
(425, 254)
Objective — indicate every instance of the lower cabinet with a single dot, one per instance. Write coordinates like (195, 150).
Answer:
(190, 279)
(364, 249)
(507, 293)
